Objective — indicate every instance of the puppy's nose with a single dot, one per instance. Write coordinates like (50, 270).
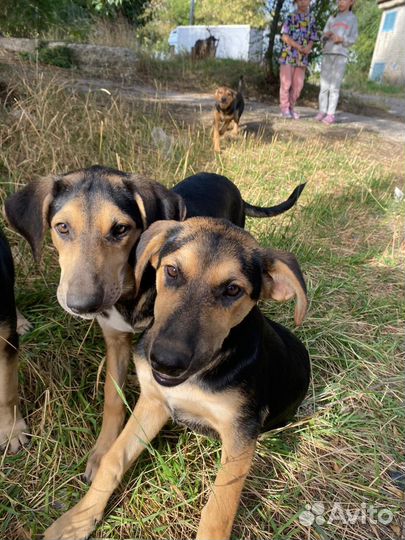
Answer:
(223, 99)
(84, 303)
(169, 360)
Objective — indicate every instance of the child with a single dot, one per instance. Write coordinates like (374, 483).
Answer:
(339, 34)
(298, 35)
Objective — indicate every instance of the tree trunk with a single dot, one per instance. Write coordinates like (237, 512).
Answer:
(272, 37)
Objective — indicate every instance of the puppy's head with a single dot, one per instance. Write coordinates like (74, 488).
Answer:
(96, 216)
(209, 275)
(224, 97)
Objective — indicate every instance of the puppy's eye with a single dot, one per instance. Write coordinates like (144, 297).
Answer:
(62, 228)
(232, 290)
(119, 230)
(171, 271)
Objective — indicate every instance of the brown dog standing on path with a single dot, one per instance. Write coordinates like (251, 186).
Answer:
(229, 107)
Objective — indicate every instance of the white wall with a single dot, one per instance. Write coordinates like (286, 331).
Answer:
(235, 41)
(389, 51)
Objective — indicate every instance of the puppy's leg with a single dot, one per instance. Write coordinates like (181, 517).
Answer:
(119, 352)
(217, 122)
(225, 127)
(12, 425)
(219, 513)
(235, 129)
(147, 419)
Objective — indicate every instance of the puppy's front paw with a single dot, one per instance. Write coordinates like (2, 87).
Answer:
(23, 324)
(13, 435)
(76, 524)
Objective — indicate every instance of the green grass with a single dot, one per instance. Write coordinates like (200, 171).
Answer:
(56, 56)
(205, 74)
(359, 83)
(347, 235)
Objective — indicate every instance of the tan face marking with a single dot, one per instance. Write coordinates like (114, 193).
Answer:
(224, 96)
(90, 256)
(209, 276)
(201, 296)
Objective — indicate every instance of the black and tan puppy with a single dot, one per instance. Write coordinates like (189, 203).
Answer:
(96, 217)
(211, 360)
(229, 106)
(13, 429)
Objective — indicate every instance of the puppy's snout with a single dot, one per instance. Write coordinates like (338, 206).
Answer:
(84, 303)
(168, 359)
(224, 99)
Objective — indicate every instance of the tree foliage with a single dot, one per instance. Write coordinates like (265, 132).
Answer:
(369, 16)
(162, 16)
(23, 18)
(29, 18)
(130, 9)
(251, 12)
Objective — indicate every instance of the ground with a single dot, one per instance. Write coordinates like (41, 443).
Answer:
(343, 453)
(258, 114)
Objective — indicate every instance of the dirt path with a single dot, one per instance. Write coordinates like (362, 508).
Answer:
(255, 112)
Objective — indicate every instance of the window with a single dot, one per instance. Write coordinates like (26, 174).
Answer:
(389, 21)
(378, 71)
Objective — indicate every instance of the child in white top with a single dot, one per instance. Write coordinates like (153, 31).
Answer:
(339, 34)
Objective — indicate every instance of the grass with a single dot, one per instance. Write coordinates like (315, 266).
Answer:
(345, 445)
(181, 72)
(56, 56)
(359, 83)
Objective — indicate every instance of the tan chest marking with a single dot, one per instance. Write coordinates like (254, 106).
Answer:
(189, 403)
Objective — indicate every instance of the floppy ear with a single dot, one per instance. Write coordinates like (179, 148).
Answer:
(27, 212)
(150, 244)
(156, 202)
(283, 280)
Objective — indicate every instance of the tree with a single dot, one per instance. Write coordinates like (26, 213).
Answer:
(274, 29)
(132, 10)
(23, 18)
(212, 12)
(162, 16)
(369, 16)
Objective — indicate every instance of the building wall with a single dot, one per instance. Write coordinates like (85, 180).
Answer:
(235, 41)
(388, 63)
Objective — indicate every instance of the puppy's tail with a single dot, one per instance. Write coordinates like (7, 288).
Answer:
(259, 212)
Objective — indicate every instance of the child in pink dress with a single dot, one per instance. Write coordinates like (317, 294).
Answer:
(299, 33)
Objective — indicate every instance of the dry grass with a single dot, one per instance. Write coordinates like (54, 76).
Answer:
(346, 444)
(117, 33)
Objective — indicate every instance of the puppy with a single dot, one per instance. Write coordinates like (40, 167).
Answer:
(229, 107)
(210, 360)
(13, 429)
(96, 216)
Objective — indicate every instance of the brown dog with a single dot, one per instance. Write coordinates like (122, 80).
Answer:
(229, 107)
